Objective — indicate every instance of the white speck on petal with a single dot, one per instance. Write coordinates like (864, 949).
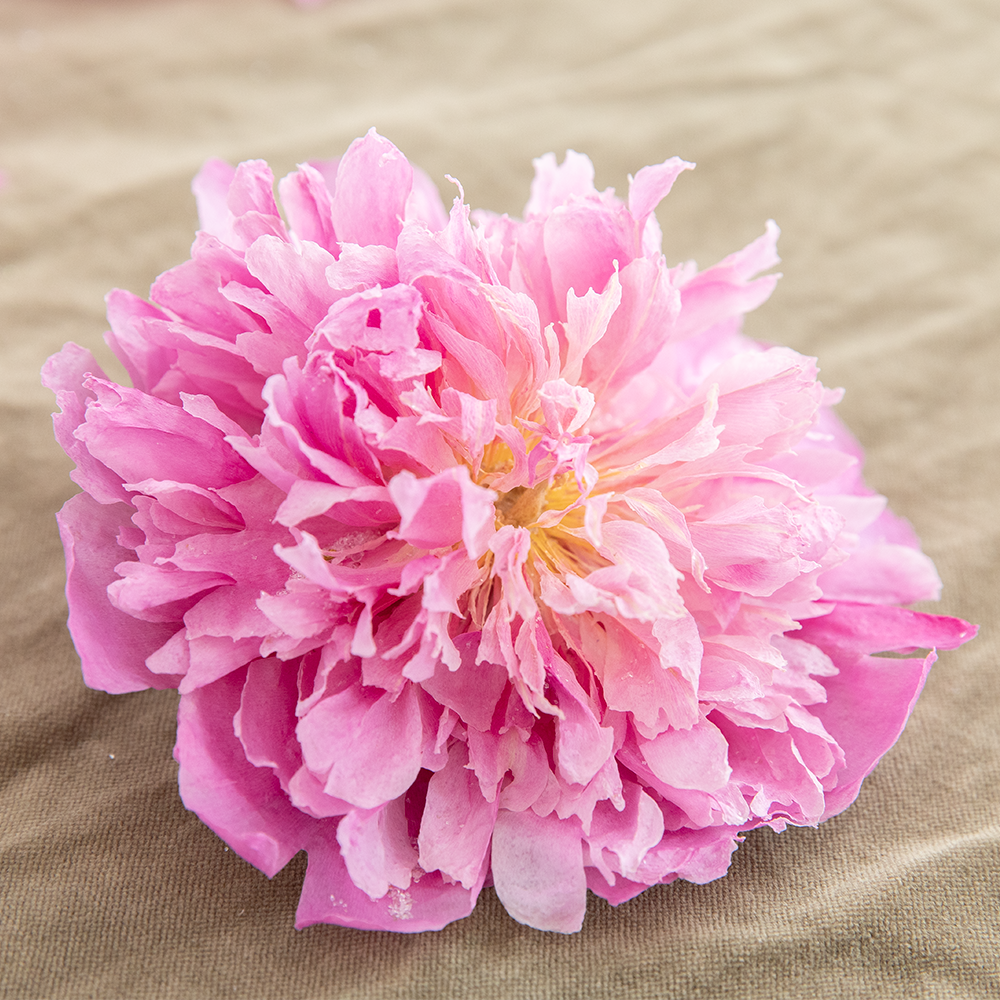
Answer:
(400, 904)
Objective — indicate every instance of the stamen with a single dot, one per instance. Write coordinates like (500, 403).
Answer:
(521, 506)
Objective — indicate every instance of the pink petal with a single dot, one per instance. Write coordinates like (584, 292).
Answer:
(210, 188)
(141, 437)
(457, 822)
(243, 804)
(689, 758)
(65, 374)
(883, 574)
(367, 747)
(308, 206)
(868, 703)
(554, 185)
(113, 646)
(441, 510)
(329, 896)
(376, 848)
(537, 864)
(651, 185)
(373, 183)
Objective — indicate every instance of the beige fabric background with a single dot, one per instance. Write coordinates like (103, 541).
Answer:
(869, 129)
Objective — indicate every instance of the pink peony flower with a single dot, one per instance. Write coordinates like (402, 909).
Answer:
(481, 550)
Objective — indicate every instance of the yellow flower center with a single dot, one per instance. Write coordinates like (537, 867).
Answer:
(558, 546)
(521, 506)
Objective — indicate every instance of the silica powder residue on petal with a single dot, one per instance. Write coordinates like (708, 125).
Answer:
(481, 550)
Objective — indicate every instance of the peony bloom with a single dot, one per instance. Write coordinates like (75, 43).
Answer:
(481, 550)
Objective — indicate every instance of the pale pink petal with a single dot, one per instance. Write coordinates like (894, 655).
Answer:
(373, 184)
(725, 290)
(554, 184)
(537, 865)
(689, 758)
(880, 574)
(457, 822)
(651, 185)
(442, 510)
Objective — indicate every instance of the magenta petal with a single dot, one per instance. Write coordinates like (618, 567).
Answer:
(113, 646)
(725, 290)
(265, 721)
(537, 864)
(145, 359)
(873, 628)
(329, 896)
(582, 746)
(141, 437)
(868, 703)
(697, 856)
(242, 803)
(621, 892)
(376, 848)
(471, 691)
(65, 374)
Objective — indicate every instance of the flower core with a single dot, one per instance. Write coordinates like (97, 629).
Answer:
(521, 506)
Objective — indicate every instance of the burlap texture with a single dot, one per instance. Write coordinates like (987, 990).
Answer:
(869, 131)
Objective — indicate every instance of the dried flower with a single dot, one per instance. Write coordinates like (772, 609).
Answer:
(485, 552)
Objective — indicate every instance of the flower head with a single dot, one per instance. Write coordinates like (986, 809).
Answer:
(481, 549)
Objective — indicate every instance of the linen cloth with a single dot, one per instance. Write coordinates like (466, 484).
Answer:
(869, 131)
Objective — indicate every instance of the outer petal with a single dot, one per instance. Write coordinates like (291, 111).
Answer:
(65, 374)
(883, 574)
(376, 848)
(243, 804)
(329, 896)
(210, 188)
(651, 185)
(141, 437)
(868, 703)
(872, 628)
(537, 864)
(113, 646)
